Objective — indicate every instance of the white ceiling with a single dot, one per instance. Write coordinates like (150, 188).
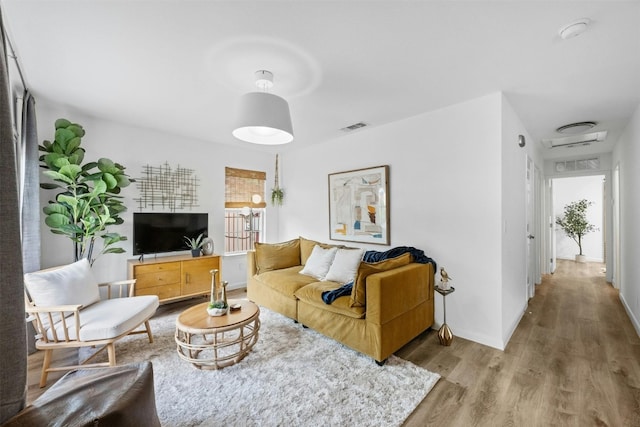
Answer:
(181, 65)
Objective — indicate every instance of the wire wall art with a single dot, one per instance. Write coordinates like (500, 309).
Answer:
(164, 188)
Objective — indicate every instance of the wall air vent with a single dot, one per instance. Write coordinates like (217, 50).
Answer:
(354, 126)
(576, 140)
(578, 165)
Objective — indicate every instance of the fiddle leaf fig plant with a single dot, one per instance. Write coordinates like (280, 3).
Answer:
(88, 200)
(574, 222)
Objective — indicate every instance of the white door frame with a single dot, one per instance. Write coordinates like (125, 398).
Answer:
(616, 274)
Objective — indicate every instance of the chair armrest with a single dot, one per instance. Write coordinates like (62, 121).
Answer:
(394, 292)
(52, 315)
(53, 308)
(125, 288)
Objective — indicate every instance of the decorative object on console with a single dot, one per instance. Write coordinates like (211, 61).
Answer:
(277, 193)
(166, 188)
(359, 205)
(207, 246)
(195, 244)
(88, 201)
(263, 118)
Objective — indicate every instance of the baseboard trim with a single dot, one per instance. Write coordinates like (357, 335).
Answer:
(632, 317)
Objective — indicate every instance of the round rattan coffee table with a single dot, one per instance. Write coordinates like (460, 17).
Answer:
(215, 342)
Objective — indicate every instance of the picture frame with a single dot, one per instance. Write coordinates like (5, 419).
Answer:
(359, 205)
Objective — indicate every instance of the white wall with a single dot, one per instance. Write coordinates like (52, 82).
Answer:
(627, 155)
(513, 296)
(456, 184)
(136, 147)
(445, 196)
(568, 190)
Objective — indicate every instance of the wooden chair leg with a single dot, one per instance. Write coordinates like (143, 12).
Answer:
(45, 367)
(111, 350)
(146, 325)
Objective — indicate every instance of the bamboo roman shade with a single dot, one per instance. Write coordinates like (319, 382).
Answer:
(240, 185)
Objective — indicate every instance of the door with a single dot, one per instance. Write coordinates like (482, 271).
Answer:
(530, 227)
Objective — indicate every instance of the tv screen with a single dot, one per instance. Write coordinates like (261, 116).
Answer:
(164, 232)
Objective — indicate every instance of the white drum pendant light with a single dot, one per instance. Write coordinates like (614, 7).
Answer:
(263, 118)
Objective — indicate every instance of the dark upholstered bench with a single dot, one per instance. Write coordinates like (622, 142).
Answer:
(116, 396)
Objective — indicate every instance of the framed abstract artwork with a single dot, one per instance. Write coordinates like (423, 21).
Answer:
(359, 205)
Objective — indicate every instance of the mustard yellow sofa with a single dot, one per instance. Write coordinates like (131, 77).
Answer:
(391, 302)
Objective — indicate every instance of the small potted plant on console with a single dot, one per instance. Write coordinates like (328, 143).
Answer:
(195, 244)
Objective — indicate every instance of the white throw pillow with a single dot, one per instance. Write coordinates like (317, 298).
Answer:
(345, 265)
(319, 262)
(71, 284)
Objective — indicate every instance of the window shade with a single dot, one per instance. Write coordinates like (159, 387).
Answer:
(240, 185)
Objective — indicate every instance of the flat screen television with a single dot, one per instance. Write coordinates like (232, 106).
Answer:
(164, 232)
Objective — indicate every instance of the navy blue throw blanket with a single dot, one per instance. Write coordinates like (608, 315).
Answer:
(330, 296)
(374, 256)
(416, 254)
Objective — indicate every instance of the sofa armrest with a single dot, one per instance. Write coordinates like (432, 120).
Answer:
(251, 264)
(394, 292)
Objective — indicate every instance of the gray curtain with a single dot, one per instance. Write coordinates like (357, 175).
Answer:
(30, 187)
(30, 198)
(13, 346)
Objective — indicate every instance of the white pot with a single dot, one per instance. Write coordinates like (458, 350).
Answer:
(581, 258)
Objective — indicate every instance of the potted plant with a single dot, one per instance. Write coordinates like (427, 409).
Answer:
(195, 244)
(277, 193)
(89, 202)
(575, 224)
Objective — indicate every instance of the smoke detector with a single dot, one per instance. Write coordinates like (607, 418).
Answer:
(574, 28)
(574, 128)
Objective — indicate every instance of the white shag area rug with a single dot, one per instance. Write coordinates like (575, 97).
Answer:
(293, 376)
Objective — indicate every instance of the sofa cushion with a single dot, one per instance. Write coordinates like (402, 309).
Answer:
(306, 247)
(70, 284)
(312, 294)
(358, 294)
(319, 262)
(285, 281)
(274, 256)
(109, 318)
(344, 267)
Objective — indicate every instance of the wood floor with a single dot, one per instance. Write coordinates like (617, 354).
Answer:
(574, 360)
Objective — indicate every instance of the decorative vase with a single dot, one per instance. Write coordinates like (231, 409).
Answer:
(581, 258)
(218, 305)
(207, 246)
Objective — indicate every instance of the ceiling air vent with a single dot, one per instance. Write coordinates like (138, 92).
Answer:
(354, 126)
(575, 141)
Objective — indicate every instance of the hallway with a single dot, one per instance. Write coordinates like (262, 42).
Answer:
(574, 360)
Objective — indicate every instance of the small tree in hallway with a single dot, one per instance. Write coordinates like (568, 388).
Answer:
(574, 222)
